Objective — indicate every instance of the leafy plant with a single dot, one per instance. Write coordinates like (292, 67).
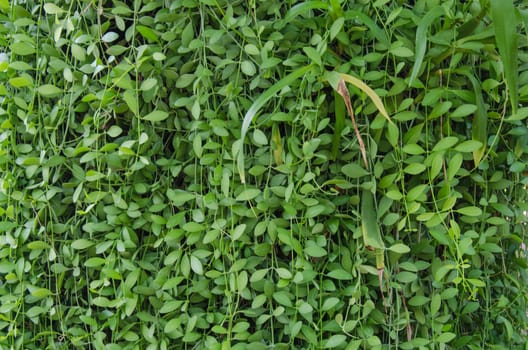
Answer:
(230, 175)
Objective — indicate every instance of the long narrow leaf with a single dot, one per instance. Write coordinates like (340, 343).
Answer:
(374, 29)
(469, 26)
(255, 108)
(369, 222)
(421, 39)
(503, 15)
(479, 129)
(334, 78)
(339, 113)
(305, 7)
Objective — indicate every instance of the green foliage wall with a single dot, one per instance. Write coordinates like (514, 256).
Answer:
(124, 220)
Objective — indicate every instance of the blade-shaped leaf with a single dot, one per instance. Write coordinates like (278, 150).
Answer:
(373, 27)
(257, 105)
(479, 128)
(421, 39)
(305, 7)
(505, 24)
(369, 223)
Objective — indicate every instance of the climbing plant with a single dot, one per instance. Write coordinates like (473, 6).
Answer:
(210, 174)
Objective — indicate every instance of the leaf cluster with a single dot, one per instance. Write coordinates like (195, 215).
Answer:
(140, 210)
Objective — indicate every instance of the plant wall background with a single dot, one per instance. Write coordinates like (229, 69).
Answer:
(125, 223)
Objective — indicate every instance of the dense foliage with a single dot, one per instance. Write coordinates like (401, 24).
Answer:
(138, 212)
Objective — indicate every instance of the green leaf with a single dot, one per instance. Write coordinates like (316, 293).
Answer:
(22, 49)
(418, 300)
(156, 116)
(446, 337)
(147, 33)
(238, 232)
(439, 110)
(470, 211)
(48, 90)
(340, 274)
(196, 265)
(436, 302)
(251, 49)
(376, 31)
(445, 143)
(260, 138)
(336, 27)
(248, 68)
(369, 222)
(148, 84)
(414, 168)
(399, 248)
(172, 325)
(52, 9)
(248, 194)
(259, 102)
(505, 25)
(335, 341)
(313, 250)
(314, 211)
(313, 55)
(81, 244)
(413, 149)
(421, 39)
(108, 37)
(94, 262)
(329, 303)
(354, 171)
(304, 7)
(464, 110)
(468, 146)
(406, 277)
(19, 82)
(179, 197)
(131, 100)
(258, 275)
(283, 298)
(480, 122)
(41, 293)
(38, 245)
(114, 131)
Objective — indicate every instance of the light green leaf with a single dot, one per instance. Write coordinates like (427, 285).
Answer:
(248, 194)
(131, 100)
(48, 90)
(399, 248)
(470, 211)
(94, 262)
(81, 243)
(52, 9)
(156, 116)
(335, 341)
